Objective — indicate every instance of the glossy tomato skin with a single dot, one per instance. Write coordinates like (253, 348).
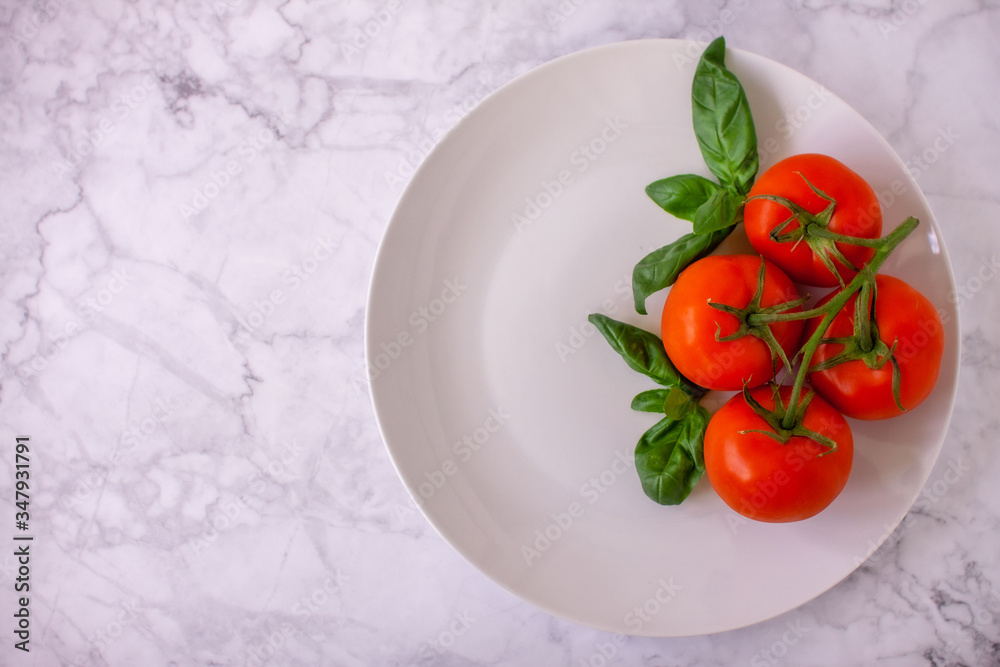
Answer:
(902, 314)
(689, 324)
(765, 480)
(857, 213)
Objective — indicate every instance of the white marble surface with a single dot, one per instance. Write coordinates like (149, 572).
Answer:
(193, 194)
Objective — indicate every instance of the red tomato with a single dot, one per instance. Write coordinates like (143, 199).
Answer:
(765, 480)
(689, 324)
(856, 213)
(902, 314)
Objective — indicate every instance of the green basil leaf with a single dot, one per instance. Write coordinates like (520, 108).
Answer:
(677, 404)
(669, 457)
(722, 210)
(660, 268)
(723, 123)
(683, 195)
(653, 400)
(641, 350)
(695, 422)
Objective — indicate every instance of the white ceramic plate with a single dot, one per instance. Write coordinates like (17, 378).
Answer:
(506, 414)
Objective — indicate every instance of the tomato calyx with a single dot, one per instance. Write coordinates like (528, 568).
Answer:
(864, 343)
(813, 228)
(785, 421)
(750, 325)
(827, 312)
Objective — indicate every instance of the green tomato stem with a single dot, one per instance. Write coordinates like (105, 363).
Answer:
(825, 233)
(830, 309)
(889, 240)
(771, 318)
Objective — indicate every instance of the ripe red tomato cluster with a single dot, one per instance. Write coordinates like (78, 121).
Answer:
(756, 474)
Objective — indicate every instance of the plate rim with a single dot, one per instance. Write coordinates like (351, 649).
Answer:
(395, 220)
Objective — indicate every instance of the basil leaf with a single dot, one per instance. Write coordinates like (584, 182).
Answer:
(653, 400)
(693, 441)
(723, 123)
(669, 457)
(665, 470)
(660, 268)
(683, 195)
(722, 210)
(677, 404)
(641, 350)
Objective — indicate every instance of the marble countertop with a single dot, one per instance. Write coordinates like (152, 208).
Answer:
(194, 193)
